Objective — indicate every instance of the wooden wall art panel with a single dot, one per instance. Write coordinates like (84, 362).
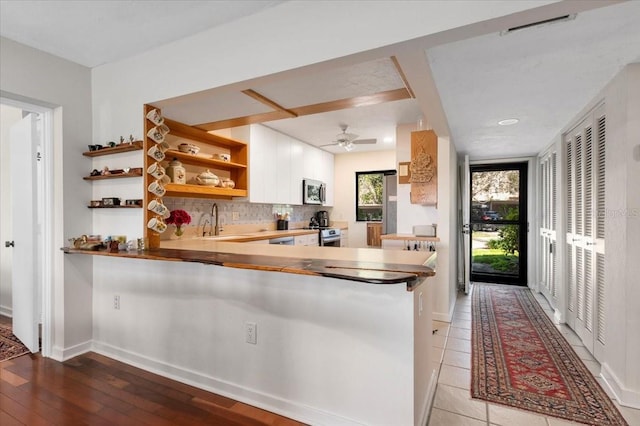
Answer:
(424, 168)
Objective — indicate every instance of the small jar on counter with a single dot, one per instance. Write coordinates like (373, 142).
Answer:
(177, 172)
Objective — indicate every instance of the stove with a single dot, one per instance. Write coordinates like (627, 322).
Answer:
(328, 237)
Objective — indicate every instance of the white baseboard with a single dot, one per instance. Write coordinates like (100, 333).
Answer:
(626, 397)
(444, 317)
(284, 407)
(431, 394)
(6, 311)
(63, 354)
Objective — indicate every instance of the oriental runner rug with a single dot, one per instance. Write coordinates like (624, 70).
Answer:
(10, 345)
(520, 359)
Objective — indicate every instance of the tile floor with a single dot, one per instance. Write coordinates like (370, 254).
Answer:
(453, 405)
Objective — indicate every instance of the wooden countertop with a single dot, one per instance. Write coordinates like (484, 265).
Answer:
(372, 266)
(408, 237)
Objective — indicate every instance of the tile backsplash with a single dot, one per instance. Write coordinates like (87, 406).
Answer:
(262, 215)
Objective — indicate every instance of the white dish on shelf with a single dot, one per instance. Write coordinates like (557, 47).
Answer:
(189, 148)
(207, 178)
(221, 157)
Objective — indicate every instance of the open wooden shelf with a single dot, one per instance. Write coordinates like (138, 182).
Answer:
(114, 207)
(188, 132)
(195, 160)
(117, 174)
(123, 147)
(202, 191)
(238, 170)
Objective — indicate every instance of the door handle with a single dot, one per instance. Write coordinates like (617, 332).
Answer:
(9, 244)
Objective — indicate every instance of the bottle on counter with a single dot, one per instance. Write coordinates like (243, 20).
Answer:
(177, 172)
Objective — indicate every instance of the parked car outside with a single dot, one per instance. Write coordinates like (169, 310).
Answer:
(490, 215)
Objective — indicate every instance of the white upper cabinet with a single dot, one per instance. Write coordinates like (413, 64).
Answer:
(283, 169)
(279, 163)
(297, 170)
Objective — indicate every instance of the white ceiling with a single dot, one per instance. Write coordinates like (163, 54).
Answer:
(95, 32)
(542, 76)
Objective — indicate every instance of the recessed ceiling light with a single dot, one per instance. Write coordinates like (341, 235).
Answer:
(508, 121)
(388, 139)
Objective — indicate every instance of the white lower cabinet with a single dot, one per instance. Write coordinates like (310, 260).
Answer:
(306, 240)
(344, 238)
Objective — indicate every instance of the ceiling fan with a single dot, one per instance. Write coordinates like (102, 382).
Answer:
(348, 140)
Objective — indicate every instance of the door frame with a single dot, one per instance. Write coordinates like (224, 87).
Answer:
(532, 220)
(45, 204)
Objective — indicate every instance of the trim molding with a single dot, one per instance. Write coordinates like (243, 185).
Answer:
(6, 311)
(64, 354)
(284, 407)
(626, 397)
(445, 317)
(431, 394)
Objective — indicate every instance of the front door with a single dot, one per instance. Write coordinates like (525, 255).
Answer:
(498, 222)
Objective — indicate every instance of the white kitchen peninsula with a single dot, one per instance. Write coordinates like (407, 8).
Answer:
(329, 351)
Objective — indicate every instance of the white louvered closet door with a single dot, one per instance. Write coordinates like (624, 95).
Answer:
(585, 154)
(547, 234)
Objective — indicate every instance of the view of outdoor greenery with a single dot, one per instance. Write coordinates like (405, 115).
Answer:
(495, 197)
(369, 188)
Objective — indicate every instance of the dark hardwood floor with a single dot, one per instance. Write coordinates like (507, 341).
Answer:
(95, 390)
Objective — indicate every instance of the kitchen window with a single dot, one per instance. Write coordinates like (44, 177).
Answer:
(369, 195)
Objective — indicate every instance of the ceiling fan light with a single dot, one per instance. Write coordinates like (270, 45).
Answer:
(348, 146)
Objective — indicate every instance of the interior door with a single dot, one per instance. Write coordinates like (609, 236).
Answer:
(23, 137)
(585, 154)
(466, 228)
(548, 222)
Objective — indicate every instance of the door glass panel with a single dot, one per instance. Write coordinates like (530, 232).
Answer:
(495, 195)
(498, 245)
(495, 250)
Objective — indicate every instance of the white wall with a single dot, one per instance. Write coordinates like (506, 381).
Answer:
(329, 351)
(8, 117)
(444, 215)
(346, 166)
(622, 235)
(35, 77)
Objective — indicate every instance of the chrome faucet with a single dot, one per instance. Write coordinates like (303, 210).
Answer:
(213, 229)
(204, 226)
(216, 229)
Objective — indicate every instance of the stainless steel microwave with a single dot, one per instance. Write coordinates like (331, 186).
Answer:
(313, 192)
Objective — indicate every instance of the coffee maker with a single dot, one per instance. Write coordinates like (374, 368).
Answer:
(322, 217)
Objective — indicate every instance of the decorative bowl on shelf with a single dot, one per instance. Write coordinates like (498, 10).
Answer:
(207, 178)
(189, 148)
(227, 183)
(221, 157)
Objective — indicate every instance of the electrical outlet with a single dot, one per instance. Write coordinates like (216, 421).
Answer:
(251, 332)
(116, 302)
(235, 215)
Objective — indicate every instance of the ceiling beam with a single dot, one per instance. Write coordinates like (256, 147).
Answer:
(417, 69)
(402, 76)
(268, 102)
(358, 101)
